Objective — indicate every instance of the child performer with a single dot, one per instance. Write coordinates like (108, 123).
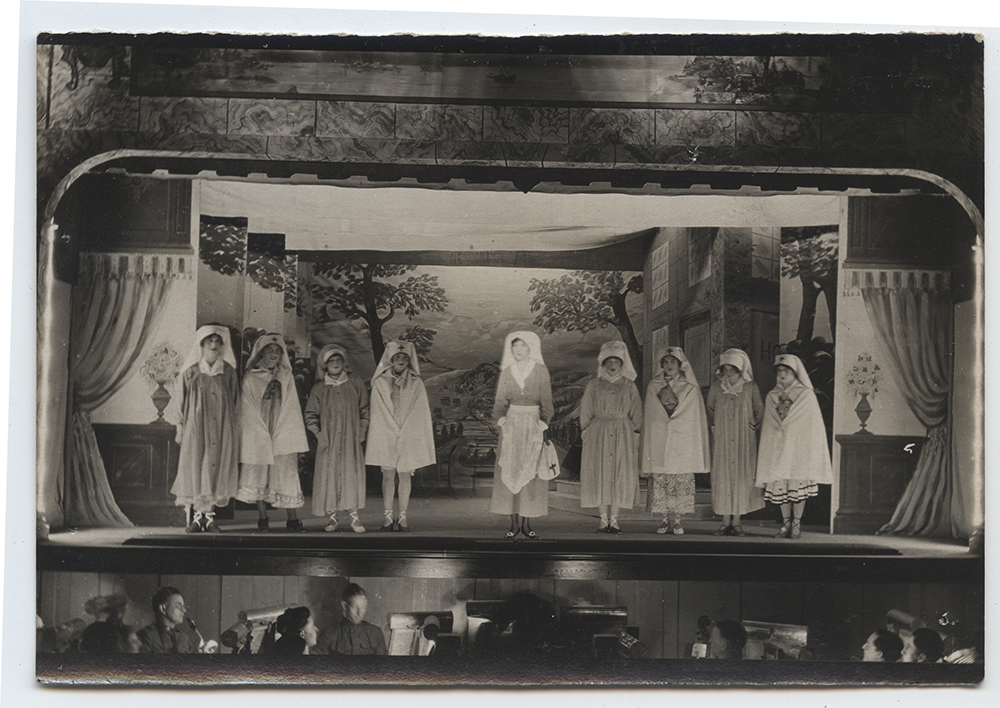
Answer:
(273, 433)
(674, 440)
(610, 420)
(794, 457)
(522, 409)
(401, 435)
(208, 433)
(337, 414)
(735, 410)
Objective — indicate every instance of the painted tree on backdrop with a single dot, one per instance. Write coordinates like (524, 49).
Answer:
(809, 253)
(360, 291)
(585, 300)
(422, 338)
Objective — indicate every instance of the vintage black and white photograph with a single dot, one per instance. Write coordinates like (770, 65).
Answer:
(540, 360)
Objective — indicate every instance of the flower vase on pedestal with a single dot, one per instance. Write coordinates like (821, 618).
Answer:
(863, 410)
(161, 397)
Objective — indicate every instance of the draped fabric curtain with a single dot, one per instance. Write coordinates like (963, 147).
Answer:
(911, 313)
(117, 305)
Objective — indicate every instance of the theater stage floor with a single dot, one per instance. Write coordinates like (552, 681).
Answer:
(461, 538)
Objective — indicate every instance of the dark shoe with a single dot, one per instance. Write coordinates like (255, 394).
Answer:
(194, 526)
(208, 526)
(262, 525)
(529, 534)
(400, 525)
(388, 526)
(737, 530)
(723, 531)
(614, 530)
(512, 534)
(796, 532)
(295, 525)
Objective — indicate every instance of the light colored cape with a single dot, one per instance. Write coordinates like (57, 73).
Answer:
(408, 445)
(257, 445)
(793, 448)
(676, 444)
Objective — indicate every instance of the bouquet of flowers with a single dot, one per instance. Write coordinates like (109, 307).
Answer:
(162, 366)
(864, 376)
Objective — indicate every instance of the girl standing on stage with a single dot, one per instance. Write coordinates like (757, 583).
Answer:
(208, 433)
(522, 409)
(401, 436)
(610, 421)
(273, 433)
(337, 414)
(674, 440)
(735, 410)
(794, 457)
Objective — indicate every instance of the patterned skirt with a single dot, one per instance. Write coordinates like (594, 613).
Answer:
(670, 494)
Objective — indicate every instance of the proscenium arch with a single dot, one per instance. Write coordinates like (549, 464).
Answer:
(573, 179)
(662, 180)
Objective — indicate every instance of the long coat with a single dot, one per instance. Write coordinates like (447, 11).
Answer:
(338, 417)
(610, 420)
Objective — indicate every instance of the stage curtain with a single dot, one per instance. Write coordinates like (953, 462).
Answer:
(117, 304)
(911, 314)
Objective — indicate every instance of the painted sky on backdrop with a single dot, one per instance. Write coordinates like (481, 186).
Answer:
(484, 304)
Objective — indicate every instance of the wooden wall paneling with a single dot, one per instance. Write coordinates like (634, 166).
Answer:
(834, 614)
(772, 602)
(670, 592)
(46, 603)
(547, 590)
(394, 595)
(267, 590)
(322, 597)
(717, 600)
(291, 591)
(879, 598)
(963, 603)
(209, 619)
(584, 592)
(236, 595)
(645, 611)
(72, 590)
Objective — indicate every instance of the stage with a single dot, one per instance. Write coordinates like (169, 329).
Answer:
(460, 538)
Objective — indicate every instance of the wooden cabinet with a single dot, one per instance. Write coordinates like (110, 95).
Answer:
(874, 472)
(141, 462)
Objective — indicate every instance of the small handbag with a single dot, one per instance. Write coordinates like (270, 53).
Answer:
(548, 462)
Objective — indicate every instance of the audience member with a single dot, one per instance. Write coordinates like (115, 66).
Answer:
(882, 645)
(297, 630)
(352, 635)
(172, 631)
(728, 639)
(924, 646)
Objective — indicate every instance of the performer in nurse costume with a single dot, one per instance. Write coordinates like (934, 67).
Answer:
(610, 421)
(273, 433)
(522, 409)
(674, 440)
(337, 414)
(794, 457)
(735, 410)
(401, 435)
(208, 432)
